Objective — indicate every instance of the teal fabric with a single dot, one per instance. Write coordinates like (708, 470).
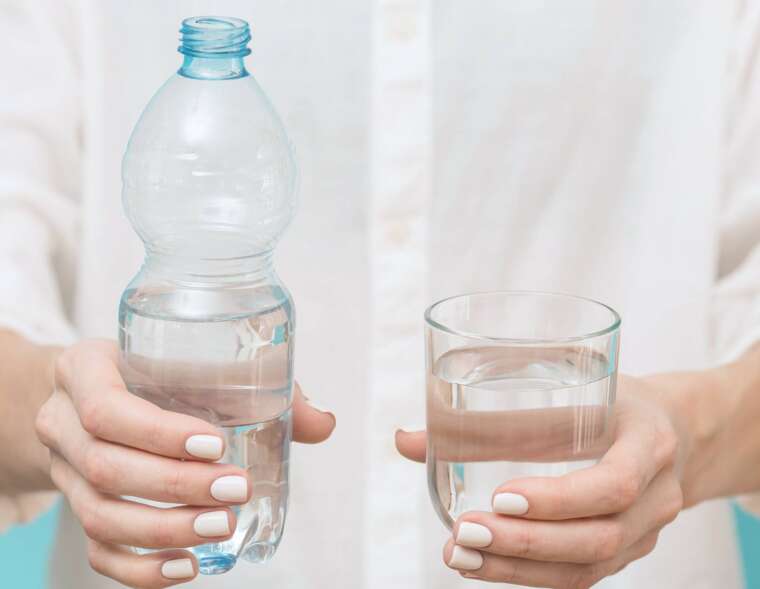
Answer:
(748, 528)
(24, 550)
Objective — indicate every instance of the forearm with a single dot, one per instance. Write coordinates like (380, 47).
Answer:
(718, 413)
(26, 381)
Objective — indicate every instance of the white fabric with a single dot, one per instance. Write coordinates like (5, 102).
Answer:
(605, 149)
(400, 170)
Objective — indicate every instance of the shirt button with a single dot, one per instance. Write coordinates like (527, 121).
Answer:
(399, 21)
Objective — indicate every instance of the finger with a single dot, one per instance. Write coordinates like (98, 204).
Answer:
(504, 569)
(533, 573)
(547, 434)
(464, 436)
(525, 435)
(310, 425)
(585, 540)
(611, 486)
(412, 445)
(576, 541)
(89, 374)
(119, 521)
(119, 470)
(148, 571)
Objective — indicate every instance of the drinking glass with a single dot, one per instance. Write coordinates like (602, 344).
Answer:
(519, 384)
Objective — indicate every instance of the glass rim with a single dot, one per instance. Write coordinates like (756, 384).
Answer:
(614, 326)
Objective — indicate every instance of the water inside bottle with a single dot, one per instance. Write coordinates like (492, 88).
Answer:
(233, 371)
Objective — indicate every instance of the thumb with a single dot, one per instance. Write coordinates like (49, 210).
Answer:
(310, 425)
(411, 445)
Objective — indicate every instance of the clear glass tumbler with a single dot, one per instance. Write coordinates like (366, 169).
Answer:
(518, 384)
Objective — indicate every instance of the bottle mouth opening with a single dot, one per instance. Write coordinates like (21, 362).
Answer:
(214, 37)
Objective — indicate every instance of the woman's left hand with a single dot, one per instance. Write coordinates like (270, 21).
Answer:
(569, 532)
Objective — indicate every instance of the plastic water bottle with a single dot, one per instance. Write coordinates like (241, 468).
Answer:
(206, 327)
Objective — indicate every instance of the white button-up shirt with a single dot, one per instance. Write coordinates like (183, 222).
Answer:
(605, 149)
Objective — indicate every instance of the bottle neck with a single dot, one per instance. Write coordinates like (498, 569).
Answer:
(213, 68)
(214, 47)
(249, 270)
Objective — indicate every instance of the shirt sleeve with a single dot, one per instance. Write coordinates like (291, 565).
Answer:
(40, 149)
(736, 300)
(736, 296)
(40, 160)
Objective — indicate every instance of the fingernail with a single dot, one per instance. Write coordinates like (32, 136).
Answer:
(180, 568)
(319, 408)
(510, 504)
(212, 524)
(412, 428)
(202, 446)
(230, 489)
(465, 559)
(473, 535)
(313, 405)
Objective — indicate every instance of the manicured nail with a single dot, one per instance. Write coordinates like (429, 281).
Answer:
(473, 535)
(465, 559)
(208, 447)
(230, 489)
(510, 504)
(212, 524)
(180, 568)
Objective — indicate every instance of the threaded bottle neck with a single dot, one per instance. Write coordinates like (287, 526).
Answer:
(214, 47)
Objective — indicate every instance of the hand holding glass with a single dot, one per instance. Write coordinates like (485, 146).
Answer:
(518, 384)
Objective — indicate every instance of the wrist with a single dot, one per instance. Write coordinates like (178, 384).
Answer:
(42, 387)
(701, 404)
(26, 382)
(715, 423)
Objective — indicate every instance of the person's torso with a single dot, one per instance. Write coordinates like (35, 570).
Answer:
(443, 147)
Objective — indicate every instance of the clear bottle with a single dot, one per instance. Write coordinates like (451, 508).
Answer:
(206, 327)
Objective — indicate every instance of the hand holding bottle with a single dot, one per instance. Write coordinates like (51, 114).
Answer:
(106, 443)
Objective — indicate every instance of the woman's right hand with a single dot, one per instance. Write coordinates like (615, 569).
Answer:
(106, 443)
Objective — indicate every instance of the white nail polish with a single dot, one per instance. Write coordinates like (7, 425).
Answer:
(510, 504)
(180, 568)
(473, 535)
(212, 524)
(202, 446)
(465, 559)
(230, 489)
